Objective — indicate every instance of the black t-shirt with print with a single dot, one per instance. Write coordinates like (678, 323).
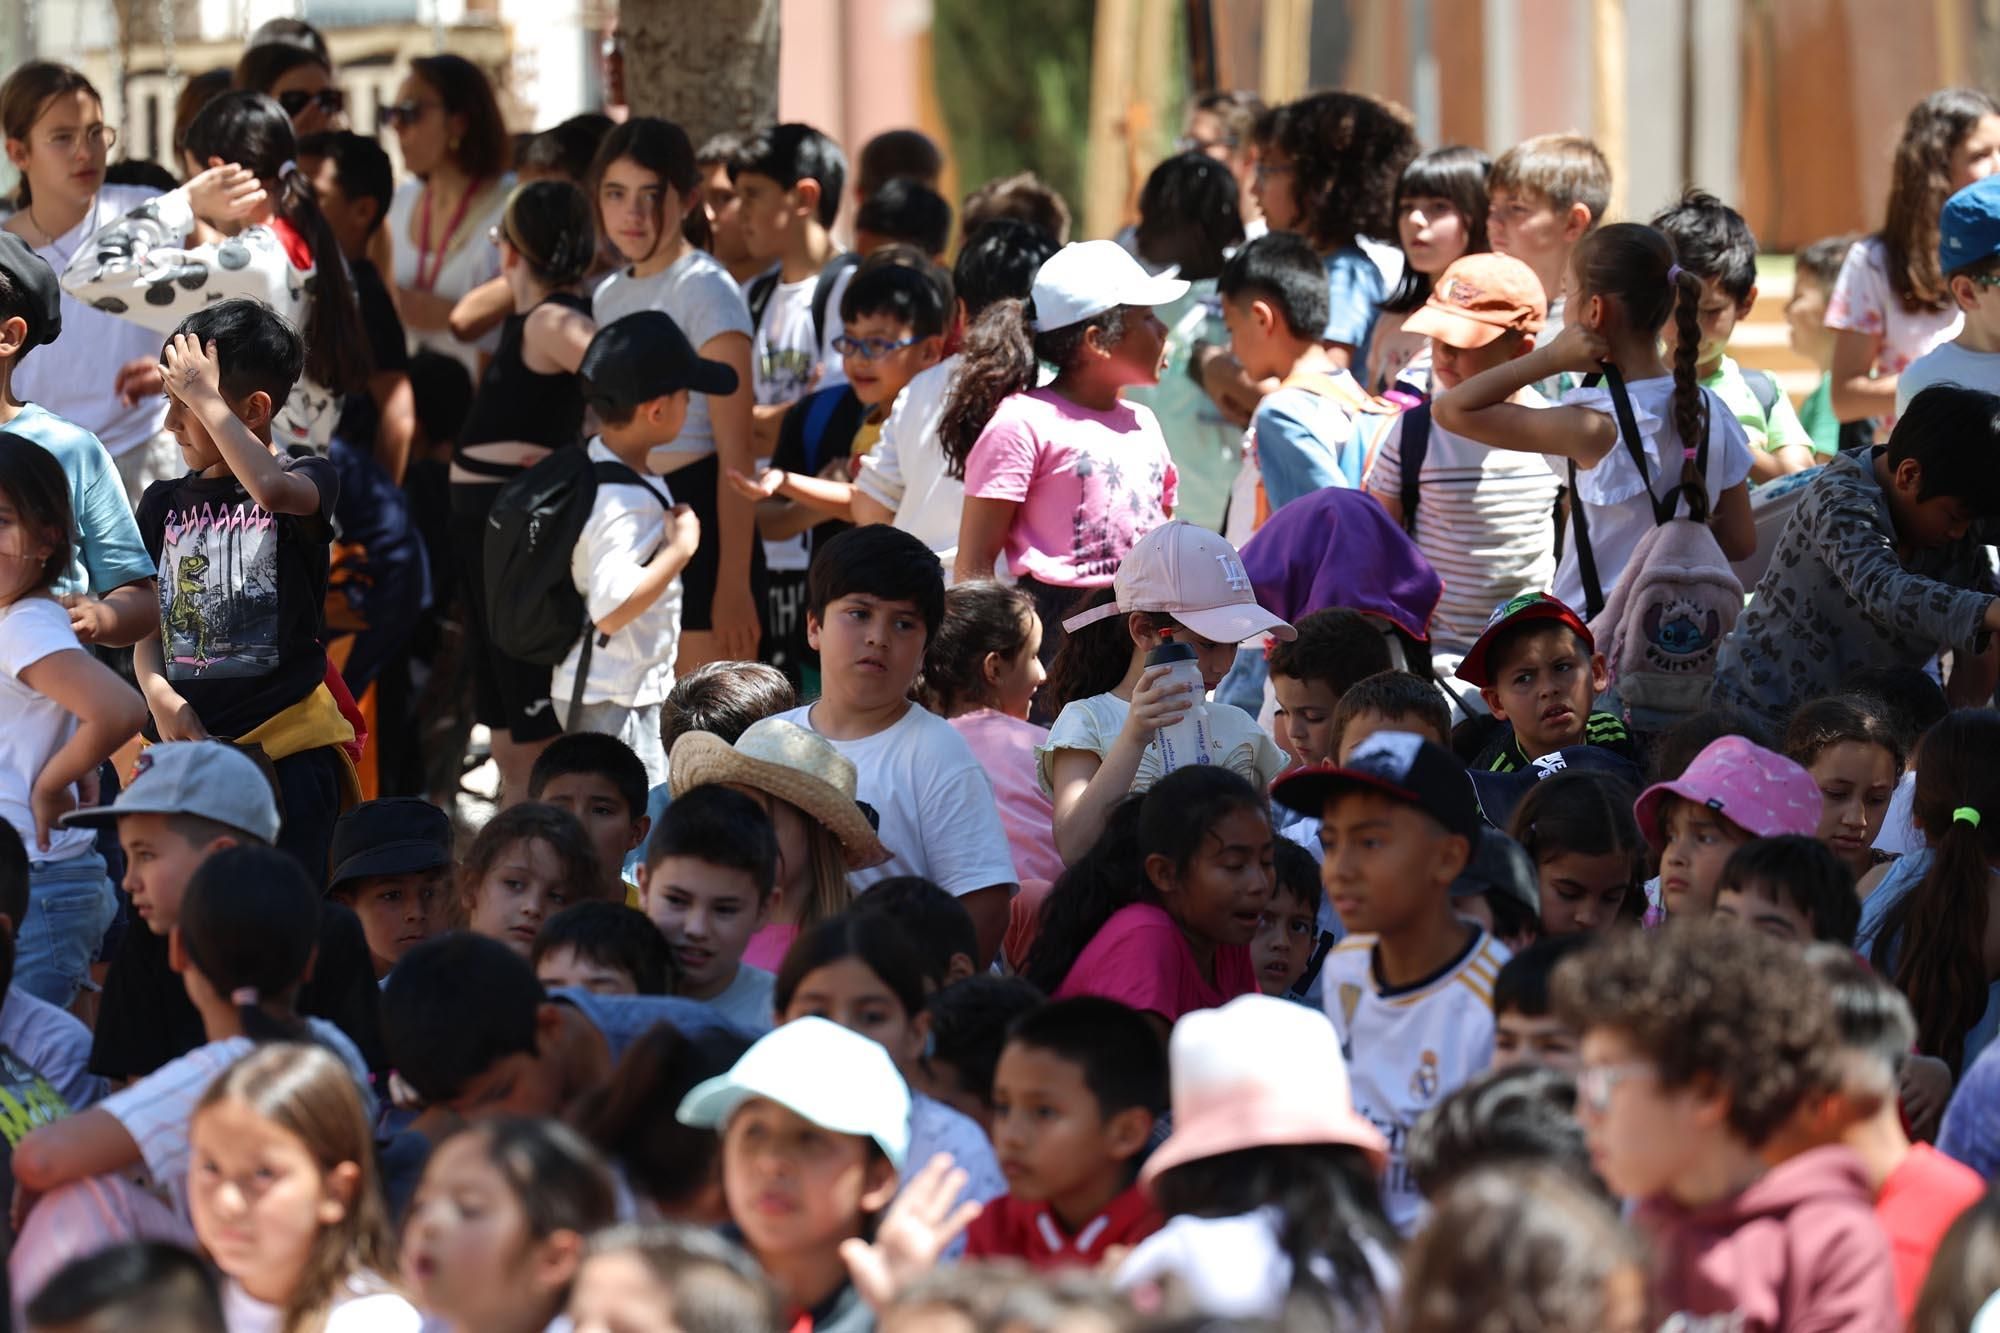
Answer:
(27, 1102)
(242, 595)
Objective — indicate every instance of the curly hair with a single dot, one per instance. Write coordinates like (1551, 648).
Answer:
(1000, 356)
(1709, 1000)
(1338, 646)
(1348, 151)
(1920, 182)
(532, 821)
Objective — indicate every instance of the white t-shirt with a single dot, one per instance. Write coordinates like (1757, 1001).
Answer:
(36, 726)
(627, 525)
(53, 1043)
(1863, 301)
(938, 815)
(1900, 834)
(785, 350)
(705, 301)
(366, 1307)
(1948, 363)
(1235, 741)
(936, 1128)
(1485, 521)
(906, 469)
(75, 378)
(1619, 511)
(1232, 1267)
(1408, 1048)
(471, 262)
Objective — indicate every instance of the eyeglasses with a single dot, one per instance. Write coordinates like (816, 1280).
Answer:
(1985, 279)
(402, 115)
(97, 136)
(331, 100)
(870, 349)
(1596, 1083)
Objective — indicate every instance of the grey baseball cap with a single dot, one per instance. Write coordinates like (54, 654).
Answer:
(208, 779)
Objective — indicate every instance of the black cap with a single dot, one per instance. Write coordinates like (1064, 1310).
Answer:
(1398, 764)
(397, 835)
(1500, 865)
(37, 281)
(646, 356)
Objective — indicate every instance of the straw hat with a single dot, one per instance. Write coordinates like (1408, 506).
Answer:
(792, 764)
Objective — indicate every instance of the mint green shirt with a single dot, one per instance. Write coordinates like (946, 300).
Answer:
(1770, 432)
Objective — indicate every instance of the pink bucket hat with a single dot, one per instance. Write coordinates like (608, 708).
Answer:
(1764, 794)
(1195, 576)
(1256, 1072)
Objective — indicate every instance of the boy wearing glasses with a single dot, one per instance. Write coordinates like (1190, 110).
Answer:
(894, 316)
(1969, 255)
(1701, 1043)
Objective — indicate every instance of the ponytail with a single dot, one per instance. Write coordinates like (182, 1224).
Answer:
(250, 924)
(550, 225)
(1109, 876)
(1690, 404)
(980, 617)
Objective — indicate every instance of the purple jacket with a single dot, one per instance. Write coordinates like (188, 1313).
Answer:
(1338, 547)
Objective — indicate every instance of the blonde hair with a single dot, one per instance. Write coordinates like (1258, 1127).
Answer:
(831, 894)
(1564, 169)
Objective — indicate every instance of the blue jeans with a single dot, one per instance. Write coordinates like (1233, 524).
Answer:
(70, 906)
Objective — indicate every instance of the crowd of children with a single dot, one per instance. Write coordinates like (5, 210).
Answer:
(1367, 832)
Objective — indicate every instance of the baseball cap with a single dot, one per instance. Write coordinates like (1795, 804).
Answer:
(1195, 576)
(1518, 611)
(1969, 227)
(1090, 277)
(397, 835)
(1500, 865)
(1500, 794)
(646, 356)
(820, 1071)
(37, 281)
(210, 780)
(1758, 790)
(1478, 298)
(1398, 764)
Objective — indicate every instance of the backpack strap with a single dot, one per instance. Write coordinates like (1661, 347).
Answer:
(758, 296)
(1764, 387)
(820, 410)
(1416, 447)
(1586, 559)
(823, 291)
(603, 473)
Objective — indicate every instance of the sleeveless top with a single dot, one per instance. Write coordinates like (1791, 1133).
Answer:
(515, 404)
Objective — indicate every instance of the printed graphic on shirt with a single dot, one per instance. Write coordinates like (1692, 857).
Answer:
(1125, 491)
(27, 1099)
(219, 592)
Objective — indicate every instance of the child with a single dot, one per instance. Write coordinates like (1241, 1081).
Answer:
(1538, 669)
(392, 863)
(901, 154)
(1409, 989)
(1078, 1090)
(1179, 584)
(1063, 479)
(711, 872)
(1713, 242)
(644, 184)
(118, 1285)
(969, 1024)
(1498, 890)
(527, 864)
(1589, 856)
(1968, 246)
(875, 596)
(1289, 929)
(1627, 286)
(1890, 303)
(244, 521)
(1791, 888)
(1440, 217)
(1526, 1030)
(1304, 435)
(788, 181)
(981, 672)
(1176, 936)
(1021, 197)
(1517, 1116)
(1815, 269)
(1545, 195)
(603, 948)
(637, 375)
(1734, 791)
(1483, 517)
(1310, 676)
(933, 921)
(604, 783)
(1848, 745)
(664, 1277)
(1699, 1044)
(246, 227)
(903, 212)
(1268, 1179)
(50, 1048)
(313, 1242)
(722, 698)
(1893, 525)
(1389, 701)
(496, 1231)
(68, 712)
(806, 787)
(721, 219)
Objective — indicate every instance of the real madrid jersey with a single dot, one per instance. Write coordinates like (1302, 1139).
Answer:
(1409, 1046)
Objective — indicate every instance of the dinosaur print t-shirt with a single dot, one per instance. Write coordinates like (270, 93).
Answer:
(242, 595)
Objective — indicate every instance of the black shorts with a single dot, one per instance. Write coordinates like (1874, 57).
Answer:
(508, 694)
(695, 486)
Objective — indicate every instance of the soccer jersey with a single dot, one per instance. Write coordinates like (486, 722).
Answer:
(1012, 1228)
(1409, 1046)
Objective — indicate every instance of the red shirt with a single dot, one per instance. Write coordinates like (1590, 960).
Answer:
(1019, 1229)
(1916, 1205)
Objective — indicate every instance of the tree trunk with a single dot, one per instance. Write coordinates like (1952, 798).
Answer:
(710, 66)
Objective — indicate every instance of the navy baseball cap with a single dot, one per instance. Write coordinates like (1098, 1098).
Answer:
(1500, 794)
(646, 356)
(1969, 228)
(1398, 764)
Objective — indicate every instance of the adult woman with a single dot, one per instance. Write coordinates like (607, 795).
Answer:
(300, 79)
(454, 141)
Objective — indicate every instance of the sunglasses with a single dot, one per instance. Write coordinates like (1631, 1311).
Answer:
(870, 349)
(402, 115)
(331, 100)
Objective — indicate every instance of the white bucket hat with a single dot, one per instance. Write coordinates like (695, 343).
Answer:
(1086, 279)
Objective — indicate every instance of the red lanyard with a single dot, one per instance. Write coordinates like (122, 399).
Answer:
(425, 282)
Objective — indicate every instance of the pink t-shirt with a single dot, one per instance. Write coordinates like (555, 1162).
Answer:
(1005, 747)
(1139, 957)
(1089, 484)
(768, 947)
(1863, 301)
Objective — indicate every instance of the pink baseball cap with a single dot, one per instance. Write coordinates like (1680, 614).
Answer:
(1762, 793)
(1258, 1072)
(1196, 577)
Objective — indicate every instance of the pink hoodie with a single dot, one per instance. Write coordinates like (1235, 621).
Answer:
(1799, 1251)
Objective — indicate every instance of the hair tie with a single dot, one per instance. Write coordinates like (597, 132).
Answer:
(288, 170)
(1674, 272)
(243, 995)
(1965, 814)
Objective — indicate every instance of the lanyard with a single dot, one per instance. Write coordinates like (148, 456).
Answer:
(425, 282)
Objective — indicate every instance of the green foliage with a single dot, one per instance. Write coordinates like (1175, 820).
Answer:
(1013, 80)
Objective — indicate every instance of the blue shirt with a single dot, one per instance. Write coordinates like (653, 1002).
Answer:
(1355, 293)
(106, 550)
(1306, 442)
(623, 1019)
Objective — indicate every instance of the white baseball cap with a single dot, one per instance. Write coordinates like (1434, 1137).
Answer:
(1088, 278)
(819, 1071)
(1195, 576)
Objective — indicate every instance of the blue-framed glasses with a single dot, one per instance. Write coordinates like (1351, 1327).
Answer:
(870, 349)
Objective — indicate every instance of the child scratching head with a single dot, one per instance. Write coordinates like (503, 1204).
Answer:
(1733, 791)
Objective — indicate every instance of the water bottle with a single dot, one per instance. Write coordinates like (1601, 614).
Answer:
(1183, 743)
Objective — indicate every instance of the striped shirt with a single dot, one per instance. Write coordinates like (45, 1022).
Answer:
(1485, 521)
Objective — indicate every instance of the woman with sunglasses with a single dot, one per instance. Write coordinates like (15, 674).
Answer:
(301, 81)
(455, 143)
(107, 377)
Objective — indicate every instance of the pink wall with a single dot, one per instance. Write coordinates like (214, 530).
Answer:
(853, 68)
